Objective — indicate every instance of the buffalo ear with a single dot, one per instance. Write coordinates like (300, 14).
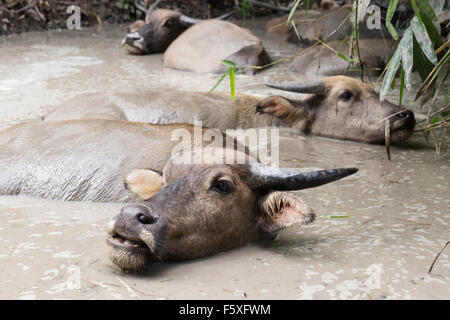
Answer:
(144, 183)
(282, 210)
(281, 109)
(135, 26)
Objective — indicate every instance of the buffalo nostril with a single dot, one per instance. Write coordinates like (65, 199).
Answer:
(145, 219)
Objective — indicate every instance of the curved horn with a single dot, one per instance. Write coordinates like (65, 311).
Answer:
(190, 21)
(315, 87)
(225, 16)
(289, 179)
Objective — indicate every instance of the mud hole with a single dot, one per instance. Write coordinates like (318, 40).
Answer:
(400, 209)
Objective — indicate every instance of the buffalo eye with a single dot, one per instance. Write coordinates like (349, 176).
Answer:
(345, 96)
(169, 23)
(222, 186)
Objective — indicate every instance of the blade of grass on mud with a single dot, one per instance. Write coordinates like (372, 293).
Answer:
(331, 216)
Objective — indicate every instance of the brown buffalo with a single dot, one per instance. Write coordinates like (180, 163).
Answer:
(338, 107)
(322, 60)
(80, 159)
(202, 48)
(322, 24)
(160, 28)
(184, 212)
(205, 208)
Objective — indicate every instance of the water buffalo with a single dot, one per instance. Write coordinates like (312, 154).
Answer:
(160, 28)
(204, 209)
(80, 159)
(322, 61)
(184, 212)
(202, 47)
(322, 24)
(338, 107)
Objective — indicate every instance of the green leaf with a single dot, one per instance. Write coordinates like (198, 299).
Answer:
(229, 64)
(293, 10)
(407, 56)
(341, 55)
(434, 35)
(429, 81)
(402, 86)
(330, 216)
(427, 9)
(435, 120)
(392, 68)
(423, 66)
(423, 40)
(416, 11)
(232, 84)
(220, 80)
(389, 15)
(295, 30)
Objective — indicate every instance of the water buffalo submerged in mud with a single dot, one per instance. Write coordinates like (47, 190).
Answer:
(204, 209)
(188, 211)
(156, 33)
(322, 61)
(80, 159)
(322, 24)
(160, 29)
(337, 107)
(200, 48)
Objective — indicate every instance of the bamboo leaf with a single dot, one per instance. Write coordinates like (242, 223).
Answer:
(423, 40)
(402, 87)
(433, 74)
(293, 10)
(392, 68)
(427, 9)
(220, 80)
(407, 56)
(416, 12)
(434, 35)
(232, 84)
(229, 64)
(422, 64)
(389, 15)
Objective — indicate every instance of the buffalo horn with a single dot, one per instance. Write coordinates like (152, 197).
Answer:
(316, 87)
(190, 21)
(290, 179)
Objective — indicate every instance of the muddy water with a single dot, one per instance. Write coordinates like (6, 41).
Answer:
(399, 210)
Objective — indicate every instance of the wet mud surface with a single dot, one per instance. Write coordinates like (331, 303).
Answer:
(399, 210)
